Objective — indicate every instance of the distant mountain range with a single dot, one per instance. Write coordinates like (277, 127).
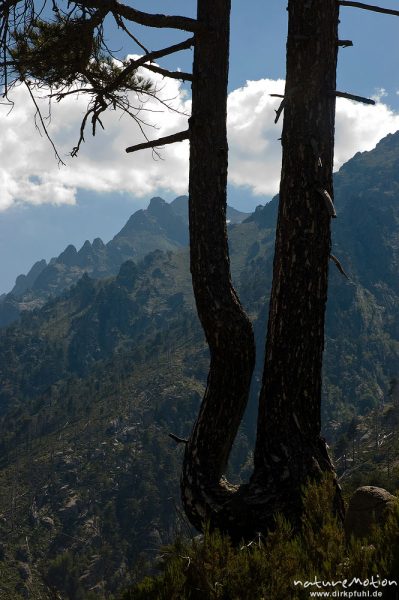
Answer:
(113, 359)
(161, 226)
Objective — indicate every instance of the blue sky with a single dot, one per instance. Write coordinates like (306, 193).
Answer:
(88, 199)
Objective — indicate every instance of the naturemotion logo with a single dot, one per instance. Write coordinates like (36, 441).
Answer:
(347, 588)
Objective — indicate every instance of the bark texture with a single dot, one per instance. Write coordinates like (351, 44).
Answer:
(227, 328)
(289, 449)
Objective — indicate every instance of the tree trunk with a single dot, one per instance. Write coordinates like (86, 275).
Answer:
(289, 449)
(227, 328)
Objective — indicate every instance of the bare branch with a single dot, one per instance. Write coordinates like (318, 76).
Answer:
(169, 139)
(329, 204)
(129, 33)
(277, 95)
(171, 74)
(352, 97)
(39, 114)
(143, 18)
(177, 439)
(345, 43)
(279, 110)
(379, 9)
(339, 266)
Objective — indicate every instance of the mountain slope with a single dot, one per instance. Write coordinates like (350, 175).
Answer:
(161, 226)
(93, 382)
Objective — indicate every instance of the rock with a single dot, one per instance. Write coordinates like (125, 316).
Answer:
(47, 522)
(71, 509)
(368, 506)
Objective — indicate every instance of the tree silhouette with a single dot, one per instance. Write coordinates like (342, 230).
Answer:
(289, 449)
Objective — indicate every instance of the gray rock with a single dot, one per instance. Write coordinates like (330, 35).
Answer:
(369, 506)
(47, 522)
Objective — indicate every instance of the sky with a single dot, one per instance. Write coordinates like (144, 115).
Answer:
(44, 207)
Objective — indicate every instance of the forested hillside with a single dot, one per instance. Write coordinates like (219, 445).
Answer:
(93, 382)
(161, 226)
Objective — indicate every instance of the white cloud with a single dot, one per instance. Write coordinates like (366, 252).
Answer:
(379, 94)
(29, 171)
(255, 151)
(360, 126)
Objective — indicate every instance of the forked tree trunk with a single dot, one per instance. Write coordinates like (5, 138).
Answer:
(289, 449)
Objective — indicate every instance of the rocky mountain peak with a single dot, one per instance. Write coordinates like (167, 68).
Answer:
(68, 257)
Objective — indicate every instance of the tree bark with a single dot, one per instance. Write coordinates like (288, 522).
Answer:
(227, 328)
(289, 449)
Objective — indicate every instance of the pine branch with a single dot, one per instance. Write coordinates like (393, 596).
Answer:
(169, 139)
(379, 9)
(39, 114)
(134, 64)
(143, 18)
(129, 33)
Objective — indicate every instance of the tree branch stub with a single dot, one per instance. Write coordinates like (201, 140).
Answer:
(169, 139)
(353, 97)
(379, 9)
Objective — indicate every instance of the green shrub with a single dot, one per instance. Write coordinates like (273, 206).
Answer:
(266, 567)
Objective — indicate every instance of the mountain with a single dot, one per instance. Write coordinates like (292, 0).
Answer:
(161, 226)
(180, 207)
(92, 383)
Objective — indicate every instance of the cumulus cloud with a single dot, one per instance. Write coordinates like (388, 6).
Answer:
(255, 152)
(29, 171)
(360, 126)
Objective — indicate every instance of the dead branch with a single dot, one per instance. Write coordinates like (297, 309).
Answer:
(171, 74)
(279, 110)
(169, 139)
(379, 9)
(121, 24)
(339, 266)
(39, 114)
(352, 97)
(327, 201)
(345, 43)
(177, 439)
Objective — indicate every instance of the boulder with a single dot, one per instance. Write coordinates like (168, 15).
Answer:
(369, 506)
